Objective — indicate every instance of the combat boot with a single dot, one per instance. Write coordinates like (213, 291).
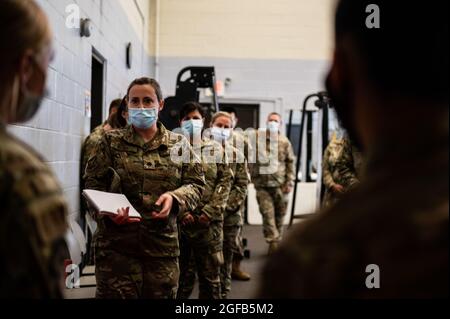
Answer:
(237, 273)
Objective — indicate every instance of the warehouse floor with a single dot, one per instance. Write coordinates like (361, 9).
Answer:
(239, 290)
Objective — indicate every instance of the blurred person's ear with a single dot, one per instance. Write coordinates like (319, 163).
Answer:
(32, 74)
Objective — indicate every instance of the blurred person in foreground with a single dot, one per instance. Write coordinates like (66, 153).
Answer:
(33, 214)
(387, 237)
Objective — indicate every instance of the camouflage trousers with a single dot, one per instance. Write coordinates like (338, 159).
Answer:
(230, 245)
(272, 205)
(122, 276)
(203, 259)
(238, 251)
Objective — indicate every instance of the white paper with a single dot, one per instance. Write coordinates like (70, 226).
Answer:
(109, 203)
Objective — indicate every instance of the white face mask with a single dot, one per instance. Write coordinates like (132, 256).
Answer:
(220, 134)
(273, 126)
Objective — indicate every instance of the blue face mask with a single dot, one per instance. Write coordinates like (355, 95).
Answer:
(192, 127)
(142, 118)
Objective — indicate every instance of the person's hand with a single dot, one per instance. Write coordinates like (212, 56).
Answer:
(204, 220)
(165, 201)
(338, 189)
(122, 217)
(188, 219)
(287, 189)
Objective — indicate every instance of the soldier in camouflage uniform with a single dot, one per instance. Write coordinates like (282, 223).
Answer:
(273, 187)
(241, 142)
(221, 130)
(162, 178)
(388, 236)
(33, 215)
(353, 164)
(201, 231)
(116, 109)
(342, 164)
(98, 131)
(233, 219)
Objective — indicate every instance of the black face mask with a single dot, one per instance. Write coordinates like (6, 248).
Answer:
(28, 104)
(28, 107)
(344, 111)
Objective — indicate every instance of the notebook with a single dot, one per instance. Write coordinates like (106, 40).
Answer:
(109, 203)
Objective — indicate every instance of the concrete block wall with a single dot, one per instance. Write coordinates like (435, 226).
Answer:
(264, 29)
(60, 127)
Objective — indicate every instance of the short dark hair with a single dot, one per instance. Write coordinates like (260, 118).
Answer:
(408, 54)
(228, 109)
(114, 103)
(275, 113)
(145, 80)
(116, 120)
(189, 107)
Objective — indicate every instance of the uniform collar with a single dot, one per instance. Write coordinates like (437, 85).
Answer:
(160, 140)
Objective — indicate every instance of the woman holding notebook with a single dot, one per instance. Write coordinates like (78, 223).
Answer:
(138, 257)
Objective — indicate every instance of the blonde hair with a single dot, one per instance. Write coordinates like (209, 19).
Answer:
(24, 27)
(221, 114)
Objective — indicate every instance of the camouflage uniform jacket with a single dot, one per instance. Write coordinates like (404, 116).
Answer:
(124, 163)
(218, 176)
(89, 146)
(240, 181)
(329, 163)
(33, 224)
(350, 164)
(342, 164)
(241, 142)
(280, 169)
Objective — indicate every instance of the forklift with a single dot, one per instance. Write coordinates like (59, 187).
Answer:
(308, 177)
(189, 82)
